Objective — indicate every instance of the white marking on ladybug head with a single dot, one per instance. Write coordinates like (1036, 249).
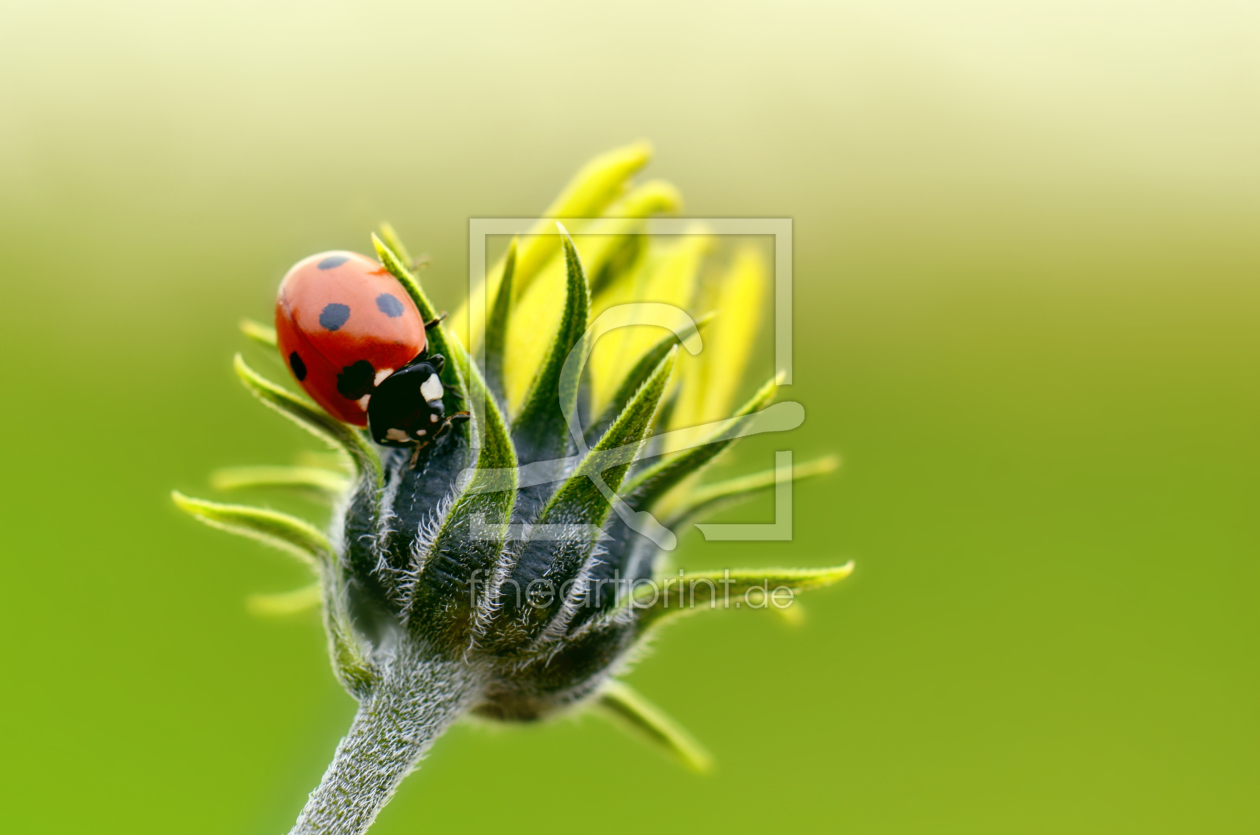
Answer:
(363, 401)
(381, 375)
(432, 418)
(398, 435)
(423, 432)
(431, 389)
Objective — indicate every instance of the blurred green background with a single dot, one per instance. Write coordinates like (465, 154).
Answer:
(1027, 289)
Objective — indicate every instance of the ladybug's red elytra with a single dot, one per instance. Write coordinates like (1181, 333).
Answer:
(344, 326)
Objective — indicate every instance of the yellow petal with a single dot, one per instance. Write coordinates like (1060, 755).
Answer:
(592, 189)
(715, 377)
(537, 311)
(668, 275)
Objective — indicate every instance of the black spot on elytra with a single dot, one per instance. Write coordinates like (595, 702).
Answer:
(389, 305)
(334, 316)
(332, 261)
(356, 380)
(299, 367)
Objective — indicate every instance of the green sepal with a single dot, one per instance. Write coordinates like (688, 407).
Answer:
(636, 377)
(303, 540)
(617, 266)
(657, 480)
(584, 501)
(280, 530)
(311, 480)
(349, 659)
(285, 603)
(260, 333)
(626, 707)
(700, 590)
(579, 500)
(541, 430)
(592, 189)
(497, 327)
(711, 498)
(439, 339)
(391, 239)
(608, 242)
(339, 435)
(488, 493)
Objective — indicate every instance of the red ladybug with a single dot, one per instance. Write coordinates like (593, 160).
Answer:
(344, 325)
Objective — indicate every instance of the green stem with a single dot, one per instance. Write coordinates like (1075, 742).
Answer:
(412, 704)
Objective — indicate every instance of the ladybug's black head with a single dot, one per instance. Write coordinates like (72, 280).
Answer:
(407, 406)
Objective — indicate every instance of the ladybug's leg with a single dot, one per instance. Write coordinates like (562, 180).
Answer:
(435, 321)
(458, 417)
(436, 360)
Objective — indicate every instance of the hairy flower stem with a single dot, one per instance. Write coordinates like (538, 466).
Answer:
(415, 700)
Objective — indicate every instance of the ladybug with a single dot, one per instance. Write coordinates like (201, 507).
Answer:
(356, 343)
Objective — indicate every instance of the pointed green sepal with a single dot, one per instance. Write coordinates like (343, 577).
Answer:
(612, 244)
(581, 505)
(279, 530)
(657, 480)
(440, 340)
(285, 603)
(595, 188)
(349, 657)
(722, 494)
(309, 480)
(337, 434)
(592, 189)
(625, 706)
(324, 459)
(579, 500)
(391, 239)
(497, 328)
(541, 430)
(260, 333)
(730, 588)
(471, 538)
(641, 371)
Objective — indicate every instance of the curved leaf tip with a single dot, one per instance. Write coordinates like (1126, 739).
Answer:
(627, 707)
(280, 530)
